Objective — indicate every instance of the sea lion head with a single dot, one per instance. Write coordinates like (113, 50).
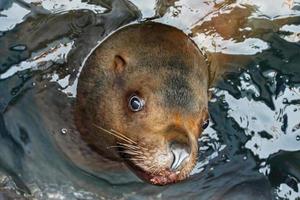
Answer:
(142, 98)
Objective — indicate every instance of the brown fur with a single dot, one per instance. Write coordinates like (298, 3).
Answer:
(163, 66)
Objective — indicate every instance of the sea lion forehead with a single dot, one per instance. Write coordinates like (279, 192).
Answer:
(149, 30)
(152, 45)
(178, 93)
(160, 38)
(166, 64)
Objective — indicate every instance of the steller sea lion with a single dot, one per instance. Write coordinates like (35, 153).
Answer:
(142, 98)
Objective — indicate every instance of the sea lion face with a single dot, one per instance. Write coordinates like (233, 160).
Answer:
(147, 111)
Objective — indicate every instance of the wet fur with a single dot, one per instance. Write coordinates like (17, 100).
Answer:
(168, 69)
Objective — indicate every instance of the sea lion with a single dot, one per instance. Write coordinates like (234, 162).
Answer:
(142, 98)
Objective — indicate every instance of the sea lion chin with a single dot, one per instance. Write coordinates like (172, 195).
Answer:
(142, 99)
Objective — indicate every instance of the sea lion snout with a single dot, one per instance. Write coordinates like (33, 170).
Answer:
(181, 152)
(179, 145)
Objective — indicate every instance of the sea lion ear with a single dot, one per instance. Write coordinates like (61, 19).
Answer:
(119, 64)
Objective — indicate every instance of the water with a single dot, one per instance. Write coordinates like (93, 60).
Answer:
(251, 149)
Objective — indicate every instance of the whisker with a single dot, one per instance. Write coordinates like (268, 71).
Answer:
(135, 146)
(156, 171)
(132, 153)
(110, 147)
(151, 167)
(114, 134)
(135, 151)
(136, 159)
(129, 146)
(122, 146)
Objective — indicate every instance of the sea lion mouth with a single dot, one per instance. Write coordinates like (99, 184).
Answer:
(163, 177)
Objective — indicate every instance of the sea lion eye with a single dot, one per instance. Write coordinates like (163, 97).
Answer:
(136, 103)
(205, 124)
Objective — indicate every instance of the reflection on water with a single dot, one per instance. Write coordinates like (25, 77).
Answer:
(252, 147)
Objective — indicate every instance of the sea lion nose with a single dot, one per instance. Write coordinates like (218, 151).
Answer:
(180, 153)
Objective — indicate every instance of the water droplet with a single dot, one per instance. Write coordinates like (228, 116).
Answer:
(298, 137)
(269, 73)
(19, 47)
(175, 13)
(64, 131)
(245, 158)
(14, 91)
(285, 100)
(247, 77)
(33, 84)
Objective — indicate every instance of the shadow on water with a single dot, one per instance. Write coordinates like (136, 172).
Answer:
(250, 150)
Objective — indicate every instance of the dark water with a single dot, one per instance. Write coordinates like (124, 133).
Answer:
(251, 150)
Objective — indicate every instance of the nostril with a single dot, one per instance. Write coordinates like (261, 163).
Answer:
(180, 153)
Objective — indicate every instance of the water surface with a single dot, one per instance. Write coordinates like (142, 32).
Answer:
(251, 150)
